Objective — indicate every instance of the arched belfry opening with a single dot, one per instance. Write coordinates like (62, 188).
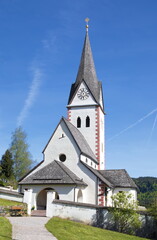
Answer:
(41, 200)
(78, 122)
(87, 121)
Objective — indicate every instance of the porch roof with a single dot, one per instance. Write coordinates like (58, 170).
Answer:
(53, 173)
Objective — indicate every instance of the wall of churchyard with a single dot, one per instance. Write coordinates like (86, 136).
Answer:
(97, 216)
(10, 194)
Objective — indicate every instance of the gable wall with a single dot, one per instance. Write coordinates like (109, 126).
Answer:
(61, 143)
(77, 101)
(66, 145)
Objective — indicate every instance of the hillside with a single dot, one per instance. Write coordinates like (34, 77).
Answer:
(147, 190)
(64, 229)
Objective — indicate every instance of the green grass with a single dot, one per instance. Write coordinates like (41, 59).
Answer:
(5, 203)
(5, 229)
(68, 230)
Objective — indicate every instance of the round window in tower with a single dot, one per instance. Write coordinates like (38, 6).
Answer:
(62, 157)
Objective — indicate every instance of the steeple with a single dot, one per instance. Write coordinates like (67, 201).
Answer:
(85, 105)
(87, 73)
(86, 69)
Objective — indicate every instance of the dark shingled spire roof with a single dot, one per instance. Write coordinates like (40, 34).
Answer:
(87, 68)
(87, 73)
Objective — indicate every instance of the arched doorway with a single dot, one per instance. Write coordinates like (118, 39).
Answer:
(80, 196)
(42, 198)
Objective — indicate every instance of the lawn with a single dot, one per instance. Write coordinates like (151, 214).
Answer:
(5, 203)
(68, 230)
(5, 229)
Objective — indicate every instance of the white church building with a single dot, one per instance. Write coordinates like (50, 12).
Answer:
(73, 168)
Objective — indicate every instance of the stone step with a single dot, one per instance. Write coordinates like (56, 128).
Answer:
(38, 213)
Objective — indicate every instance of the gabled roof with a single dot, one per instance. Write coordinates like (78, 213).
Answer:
(118, 178)
(113, 178)
(80, 140)
(36, 166)
(53, 173)
(87, 73)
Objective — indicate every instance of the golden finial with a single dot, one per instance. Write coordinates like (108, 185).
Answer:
(87, 20)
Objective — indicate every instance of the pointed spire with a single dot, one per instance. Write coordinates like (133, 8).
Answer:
(87, 72)
(86, 69)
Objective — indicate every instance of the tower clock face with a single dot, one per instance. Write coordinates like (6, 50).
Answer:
(83, 93)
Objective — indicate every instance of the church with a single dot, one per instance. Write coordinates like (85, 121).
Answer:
(74, 157)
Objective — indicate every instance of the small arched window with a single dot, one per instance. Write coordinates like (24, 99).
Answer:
(79, 196)
(78, 122)
(56, 195)
(87, 121)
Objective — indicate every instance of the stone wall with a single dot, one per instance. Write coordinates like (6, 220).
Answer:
(98, 216)
(12, 195)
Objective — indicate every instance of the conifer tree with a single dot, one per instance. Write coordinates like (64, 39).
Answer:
(22, 160)
(7, 165)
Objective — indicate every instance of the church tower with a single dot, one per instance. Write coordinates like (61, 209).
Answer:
(86, 106)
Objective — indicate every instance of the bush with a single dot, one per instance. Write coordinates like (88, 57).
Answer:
(124, 213)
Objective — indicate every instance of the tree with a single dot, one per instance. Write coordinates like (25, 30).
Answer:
(124, 213)
(153, 208)
(21, 156)
(7, 165)
(148, 189)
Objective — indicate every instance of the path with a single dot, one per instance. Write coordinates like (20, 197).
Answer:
(30, 228)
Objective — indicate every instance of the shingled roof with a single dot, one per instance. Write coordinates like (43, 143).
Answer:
(80, 140)
(118, 178)
(99, 175)
(53, 173)
(87, 73)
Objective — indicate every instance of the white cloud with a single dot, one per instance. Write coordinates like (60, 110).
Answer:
(134, 124)
(50, 42)
(31, 95)
(152, 130)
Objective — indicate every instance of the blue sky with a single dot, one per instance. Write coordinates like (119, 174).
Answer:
(40, 47)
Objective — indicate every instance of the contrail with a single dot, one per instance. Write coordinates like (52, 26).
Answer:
(134, 124)
(31, 95)
(152, 130)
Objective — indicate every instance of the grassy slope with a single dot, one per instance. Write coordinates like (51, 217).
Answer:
(68, 230)
(5, 229)
(4, 202)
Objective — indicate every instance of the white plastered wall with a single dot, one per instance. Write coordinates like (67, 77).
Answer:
(87, 132)
(78, 102)
(64, 192)
(82, 109)
(114, 191)
(88, 161)
(67, 146)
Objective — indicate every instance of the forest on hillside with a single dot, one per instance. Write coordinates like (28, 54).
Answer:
(147, 190)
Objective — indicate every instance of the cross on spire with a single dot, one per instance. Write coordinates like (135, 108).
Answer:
(87, 26)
